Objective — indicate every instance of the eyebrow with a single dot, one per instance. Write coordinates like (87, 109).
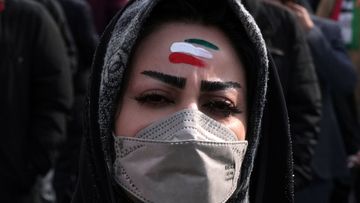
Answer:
(175, 81)
(211, 86)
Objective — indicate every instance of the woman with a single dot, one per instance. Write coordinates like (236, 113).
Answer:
(176, 108)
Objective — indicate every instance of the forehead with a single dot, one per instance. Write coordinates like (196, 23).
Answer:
(178, 48)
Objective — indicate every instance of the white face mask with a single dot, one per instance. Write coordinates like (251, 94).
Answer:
(185, 158)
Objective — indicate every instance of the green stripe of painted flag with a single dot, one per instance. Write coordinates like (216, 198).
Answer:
(203, 43)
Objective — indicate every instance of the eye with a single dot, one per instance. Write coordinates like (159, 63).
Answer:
(154, 99)
(221, 108)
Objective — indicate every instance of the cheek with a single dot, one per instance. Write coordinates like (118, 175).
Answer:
(130, 120)
(134, 117)
(238, 126)
(124, 124)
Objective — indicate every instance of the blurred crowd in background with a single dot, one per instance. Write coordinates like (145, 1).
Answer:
(46, 49)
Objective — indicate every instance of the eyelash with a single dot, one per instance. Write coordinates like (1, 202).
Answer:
(216, 107)
(154, 100)
(222, 107)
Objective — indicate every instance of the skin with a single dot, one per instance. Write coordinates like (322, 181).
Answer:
(302, 15)
(354, 160)
(147, 99)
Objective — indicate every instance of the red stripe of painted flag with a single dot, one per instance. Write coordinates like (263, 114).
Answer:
(185, 58)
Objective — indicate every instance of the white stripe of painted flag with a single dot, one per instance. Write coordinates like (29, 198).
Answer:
(184, 47)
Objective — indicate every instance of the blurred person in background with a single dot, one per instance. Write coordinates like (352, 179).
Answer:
(36, 89)
(337, 77)
(344, 102)
(73, 19)
(79, 18)
(53, 7)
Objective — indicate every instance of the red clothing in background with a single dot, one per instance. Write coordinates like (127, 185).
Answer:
(104, 10)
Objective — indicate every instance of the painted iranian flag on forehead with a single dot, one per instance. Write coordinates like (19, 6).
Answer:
(187, 52)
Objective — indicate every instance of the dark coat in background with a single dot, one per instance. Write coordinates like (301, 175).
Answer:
(58, 15)
(337, 76)
(346, 112)
(287, 46)
(36, 96)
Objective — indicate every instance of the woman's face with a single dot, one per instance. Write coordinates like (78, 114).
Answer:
(184, 66)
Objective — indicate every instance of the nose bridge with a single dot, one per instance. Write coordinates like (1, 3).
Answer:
(190, 99)
(191, 105)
